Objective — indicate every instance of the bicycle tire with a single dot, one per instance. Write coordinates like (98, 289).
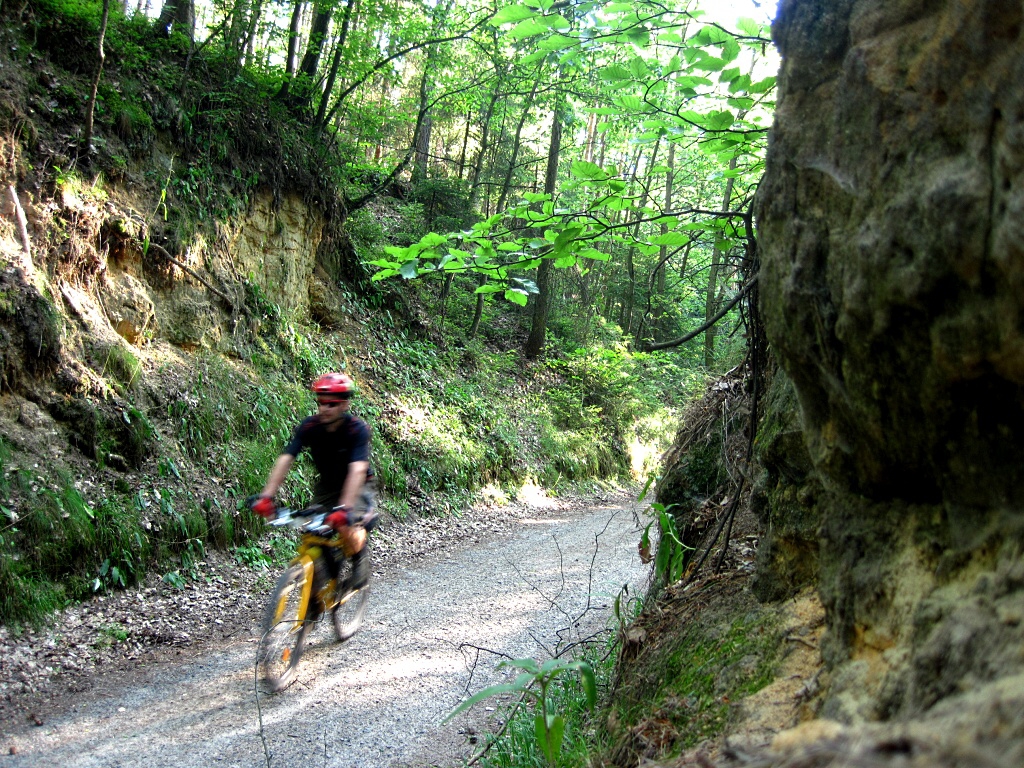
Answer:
(284, 630)
(350, 611)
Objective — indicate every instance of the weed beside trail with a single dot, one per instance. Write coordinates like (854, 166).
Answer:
(684, 667)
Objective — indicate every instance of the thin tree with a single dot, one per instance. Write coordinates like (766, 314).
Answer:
(717, 256)
(91, 108)
(293, 47)
(346, 21)
(539, 327)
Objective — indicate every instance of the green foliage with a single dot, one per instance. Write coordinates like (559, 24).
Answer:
(185, 532)
(122, 364)
(26, 597)
(445, 421)
(68, 537)
(520, 745)
(126, 116)
(538, 683)
(253, 556)
(111, 634)
(444, 203)
(673, 553)
(120, 535)
(365, 230)
(174, 579)
(5, 456)
(62, 25)
(136, 436)
(692, 684)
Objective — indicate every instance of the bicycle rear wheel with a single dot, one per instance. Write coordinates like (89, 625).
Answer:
(284, 630)
(348, 614)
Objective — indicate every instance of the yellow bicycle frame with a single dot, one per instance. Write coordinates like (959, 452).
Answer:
(310, 548)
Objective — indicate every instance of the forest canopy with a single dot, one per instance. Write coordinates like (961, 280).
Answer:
(617, 143)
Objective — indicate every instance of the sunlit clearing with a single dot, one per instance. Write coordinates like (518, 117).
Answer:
(641, 455)
(494, 494)
(534, 496)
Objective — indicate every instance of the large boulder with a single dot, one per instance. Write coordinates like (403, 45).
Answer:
(891, 225)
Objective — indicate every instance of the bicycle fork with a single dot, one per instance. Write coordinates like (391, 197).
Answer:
(328, 592)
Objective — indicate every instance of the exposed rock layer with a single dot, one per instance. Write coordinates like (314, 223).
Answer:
(890, 223)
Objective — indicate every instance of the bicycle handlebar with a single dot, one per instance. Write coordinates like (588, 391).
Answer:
(303, 519)
(312, 519)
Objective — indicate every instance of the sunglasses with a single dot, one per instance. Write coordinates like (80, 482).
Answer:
(335, 402)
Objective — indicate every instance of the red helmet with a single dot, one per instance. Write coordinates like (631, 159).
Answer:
(334, 384)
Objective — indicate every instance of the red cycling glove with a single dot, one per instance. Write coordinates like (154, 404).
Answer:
(264, 507)
(338, 518)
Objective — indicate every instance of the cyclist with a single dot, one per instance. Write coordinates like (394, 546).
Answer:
(340, 445)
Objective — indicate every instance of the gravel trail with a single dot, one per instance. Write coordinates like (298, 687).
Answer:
(378, 700)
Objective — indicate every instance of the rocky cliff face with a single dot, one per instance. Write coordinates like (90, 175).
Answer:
(890, 226)
(191, 299)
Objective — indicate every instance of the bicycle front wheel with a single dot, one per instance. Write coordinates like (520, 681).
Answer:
(352, 603)
(284, 630)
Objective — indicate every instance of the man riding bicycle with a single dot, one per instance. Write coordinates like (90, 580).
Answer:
(340, 445)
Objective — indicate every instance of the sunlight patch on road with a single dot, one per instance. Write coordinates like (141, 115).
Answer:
(535, 496)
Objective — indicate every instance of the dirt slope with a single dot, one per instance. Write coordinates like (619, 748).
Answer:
(378, 700)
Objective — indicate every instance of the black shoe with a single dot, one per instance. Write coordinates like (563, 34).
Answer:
(360, 569)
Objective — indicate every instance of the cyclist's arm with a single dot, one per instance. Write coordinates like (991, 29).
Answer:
(277, 474)
(353, 483)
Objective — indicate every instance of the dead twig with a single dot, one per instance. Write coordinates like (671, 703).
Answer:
(195, 276)
(472, 667)
(808, 643)
(500, 733)
(19, 215)
(718, 532)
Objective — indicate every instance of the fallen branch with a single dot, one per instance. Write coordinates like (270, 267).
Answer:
(19, 215)
(795, 639)
(194, 275)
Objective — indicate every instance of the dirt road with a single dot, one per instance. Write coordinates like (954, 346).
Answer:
(378, 700)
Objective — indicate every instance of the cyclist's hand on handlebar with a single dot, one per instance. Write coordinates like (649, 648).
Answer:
(263, 506)
(338, 518)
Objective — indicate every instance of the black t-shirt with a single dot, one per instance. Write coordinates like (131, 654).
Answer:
(332, 452)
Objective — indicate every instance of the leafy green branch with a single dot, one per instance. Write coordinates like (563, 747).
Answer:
(534, 684)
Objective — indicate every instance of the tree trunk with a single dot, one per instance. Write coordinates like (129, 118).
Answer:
(91, 108)
(657, 291)
(588, 151)
(233, 35)
(420, 164)
(516, 143)
(629, 303)
(250, 37)
(479, 311)
(539, 328)
(465, 143)
(710, 300)
(294, 31)
(332, 76)
(179, 15)
(305, 82)
(478, 163)
(438, 20)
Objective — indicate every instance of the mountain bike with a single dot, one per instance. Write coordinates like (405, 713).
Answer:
(307, 590)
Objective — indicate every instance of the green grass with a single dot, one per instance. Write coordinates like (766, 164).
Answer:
(691, 686)
(121, 364)
(517, 747)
